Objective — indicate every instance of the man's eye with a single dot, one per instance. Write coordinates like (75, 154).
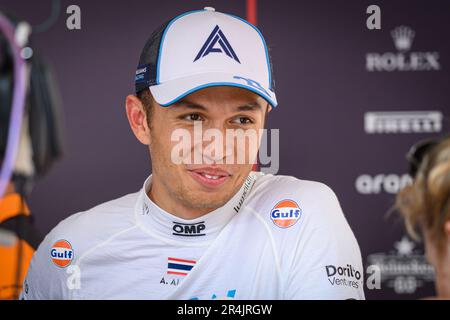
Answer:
(243, 120)
(193, 117)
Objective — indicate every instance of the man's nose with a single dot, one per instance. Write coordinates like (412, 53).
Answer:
(214, 147)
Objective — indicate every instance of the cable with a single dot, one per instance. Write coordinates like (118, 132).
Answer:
(44, 26)
(18, 103)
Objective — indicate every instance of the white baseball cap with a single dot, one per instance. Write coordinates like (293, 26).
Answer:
(204, 48)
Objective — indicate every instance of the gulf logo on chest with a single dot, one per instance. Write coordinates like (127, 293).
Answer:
(286, 213)
(61, 253)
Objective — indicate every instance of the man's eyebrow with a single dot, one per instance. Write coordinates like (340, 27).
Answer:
(249, 107)
(184, 103)
(188, 104)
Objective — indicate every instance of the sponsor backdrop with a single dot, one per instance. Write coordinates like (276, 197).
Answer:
(351, 103)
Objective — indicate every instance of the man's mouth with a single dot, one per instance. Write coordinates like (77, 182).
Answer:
(209, 177)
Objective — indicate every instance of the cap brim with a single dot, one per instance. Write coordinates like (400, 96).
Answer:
(171, 91)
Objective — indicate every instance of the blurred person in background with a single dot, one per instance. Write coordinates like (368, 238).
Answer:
(30, 141)
(16, 245)
(425, 206)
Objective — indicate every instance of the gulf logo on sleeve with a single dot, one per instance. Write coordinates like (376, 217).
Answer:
(285, 213)
(61, 253)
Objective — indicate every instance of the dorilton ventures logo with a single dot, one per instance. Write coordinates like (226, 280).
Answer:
(403, 60)
(403, 269)
(403, 122)
(343, 276)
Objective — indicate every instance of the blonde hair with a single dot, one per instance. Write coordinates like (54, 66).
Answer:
(425, 204)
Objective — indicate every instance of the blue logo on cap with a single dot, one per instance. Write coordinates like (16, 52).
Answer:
(217, 37)
(253, 83)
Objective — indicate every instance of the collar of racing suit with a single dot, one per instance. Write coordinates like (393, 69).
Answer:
(168, 227)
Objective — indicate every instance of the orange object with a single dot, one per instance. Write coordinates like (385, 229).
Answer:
(12, 277)
(252, 12)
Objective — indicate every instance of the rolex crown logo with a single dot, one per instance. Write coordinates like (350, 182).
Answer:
(403, 37)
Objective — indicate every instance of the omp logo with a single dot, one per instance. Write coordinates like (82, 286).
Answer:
(217, 38)
(403, 122)
(188, 229)
(388, 183)
(403, 37)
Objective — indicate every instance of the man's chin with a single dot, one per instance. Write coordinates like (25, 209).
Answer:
(201, 198)
(200, 202)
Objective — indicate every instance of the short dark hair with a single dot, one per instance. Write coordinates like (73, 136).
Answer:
(147, 101)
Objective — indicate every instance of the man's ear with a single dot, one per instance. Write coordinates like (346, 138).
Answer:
(138, 119)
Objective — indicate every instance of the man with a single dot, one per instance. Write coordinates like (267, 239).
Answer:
(211, 229)
(424, 205)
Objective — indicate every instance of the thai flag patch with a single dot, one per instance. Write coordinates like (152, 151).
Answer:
(179, 267)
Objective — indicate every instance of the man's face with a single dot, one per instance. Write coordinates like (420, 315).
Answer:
(210, 183)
